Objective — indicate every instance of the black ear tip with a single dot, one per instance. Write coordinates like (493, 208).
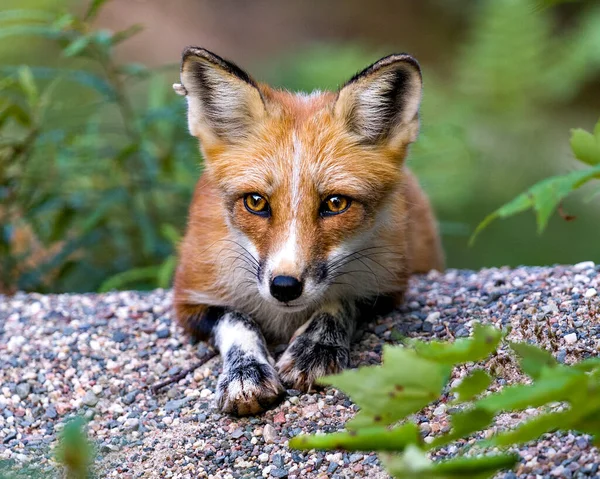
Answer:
(192, 51)
(398, 58)
(385, 62)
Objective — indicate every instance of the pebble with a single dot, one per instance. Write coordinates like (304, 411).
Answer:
(163, 333)
(176, 404)
(269, 434)
(51, 412)
(132, 423)
(119, 336)
(279, 473)
(90, 399)
(263, 457)
(23, 390)
(570, 338)
(590, 293)
(584, 265)
(66, 346)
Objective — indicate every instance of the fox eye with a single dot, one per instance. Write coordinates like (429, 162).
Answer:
(257, 204)
(334, 205)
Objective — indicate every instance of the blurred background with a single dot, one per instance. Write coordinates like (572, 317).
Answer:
(97, 168)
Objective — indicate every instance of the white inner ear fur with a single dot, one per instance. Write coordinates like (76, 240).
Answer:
(365, 104)
(221, 106)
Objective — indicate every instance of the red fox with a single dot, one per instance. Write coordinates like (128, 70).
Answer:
(305, 220)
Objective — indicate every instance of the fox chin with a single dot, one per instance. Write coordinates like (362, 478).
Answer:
(305, 220)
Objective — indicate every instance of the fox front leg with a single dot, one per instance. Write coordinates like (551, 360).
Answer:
(249, 382)
(320, 347)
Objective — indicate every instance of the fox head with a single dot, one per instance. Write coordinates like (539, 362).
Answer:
(304, 180)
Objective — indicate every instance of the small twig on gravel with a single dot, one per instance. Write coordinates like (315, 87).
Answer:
(211, 353)
(448, 332)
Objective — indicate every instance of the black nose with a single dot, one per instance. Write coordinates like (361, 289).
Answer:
(285, 288)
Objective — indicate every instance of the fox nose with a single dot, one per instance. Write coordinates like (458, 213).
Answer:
(285, 288)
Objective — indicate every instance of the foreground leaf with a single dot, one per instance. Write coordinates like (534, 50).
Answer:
(402, 385)
(414, 464)
(553, 386)
(472, 385)
(533, 359)
(585, 146)
(464, 423)
(368, 439)
(74, 450)
(484, 342)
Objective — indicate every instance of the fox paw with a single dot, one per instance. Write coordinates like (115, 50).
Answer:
(248, 388)
(305, 361)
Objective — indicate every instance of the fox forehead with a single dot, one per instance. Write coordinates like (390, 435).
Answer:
(301, 145)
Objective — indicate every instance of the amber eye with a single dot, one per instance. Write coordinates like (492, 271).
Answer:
(334, 205)
(257, 204)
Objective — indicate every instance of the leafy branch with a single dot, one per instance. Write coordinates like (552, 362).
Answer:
(546, 196)
(87, 188)
(414, 376)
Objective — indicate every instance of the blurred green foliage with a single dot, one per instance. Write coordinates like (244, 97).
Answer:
(495, 118)
(546, 196)
(416, 375)
(97, 168)
(74, 454)
(91, 176)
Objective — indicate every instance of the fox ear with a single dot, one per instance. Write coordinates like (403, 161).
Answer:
(223, 101)
(381, 103)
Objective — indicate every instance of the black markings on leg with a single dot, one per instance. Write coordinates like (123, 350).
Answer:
(320, 347)
(201, 325)
(249, 382)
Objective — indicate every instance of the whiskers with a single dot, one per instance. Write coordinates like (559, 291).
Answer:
(372, 267)
(243, 269)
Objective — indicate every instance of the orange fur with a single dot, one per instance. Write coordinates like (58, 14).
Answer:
(296, 153)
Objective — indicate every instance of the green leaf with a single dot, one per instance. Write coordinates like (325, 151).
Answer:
(77, 46)
(120, 280)
(126, 34)
(530, 430)
(474, 467)
(135, 70)
(367, 439)
(543, 197)
(62, 222)
(28, 85)
(464, 423)
(400, 390)
(588, 365)
(94, 9)
(74, 450)
(484, 341)
(79, 76)
(17, 113)
(553, 385)
(171, 233)
(585, 146)
(472, 385)
(30, 30)
(25, 15)
(533, 359)
(414, 464)
(166, 272)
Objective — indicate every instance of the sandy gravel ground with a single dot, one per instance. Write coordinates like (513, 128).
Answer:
(97, 355)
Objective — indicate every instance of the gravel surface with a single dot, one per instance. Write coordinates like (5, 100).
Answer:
(96, 355)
